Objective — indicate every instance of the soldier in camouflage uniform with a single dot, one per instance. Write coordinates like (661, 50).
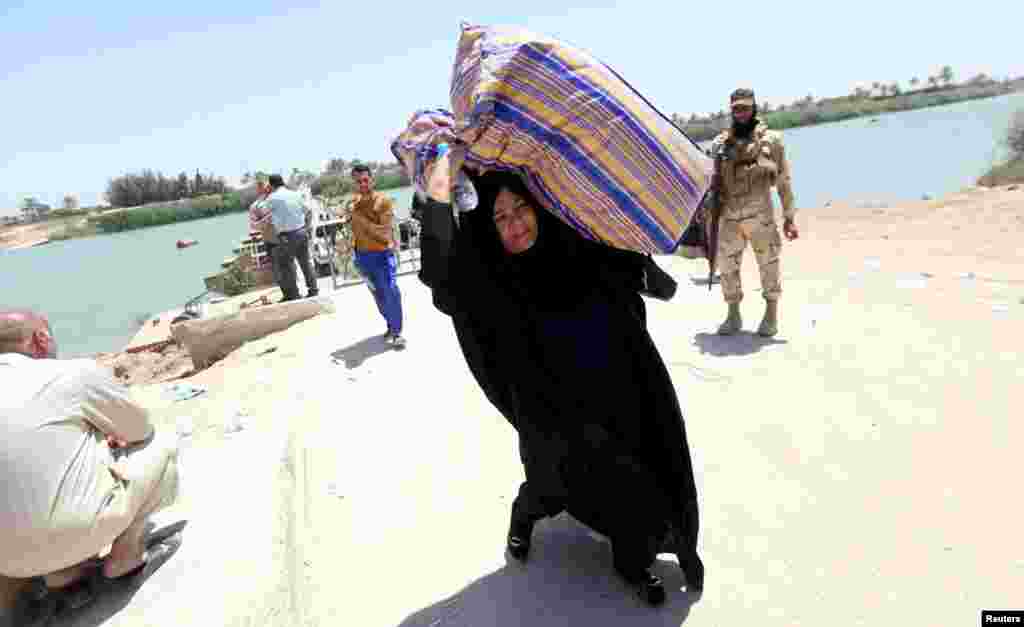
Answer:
(754, 161)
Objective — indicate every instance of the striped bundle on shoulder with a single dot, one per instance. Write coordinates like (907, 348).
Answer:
(591, 149)
(417, 146)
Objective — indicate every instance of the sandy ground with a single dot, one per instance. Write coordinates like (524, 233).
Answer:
(858, 469)
(28, 235)
(23, 236)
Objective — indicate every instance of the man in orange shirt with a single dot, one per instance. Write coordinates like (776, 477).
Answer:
(373, 215)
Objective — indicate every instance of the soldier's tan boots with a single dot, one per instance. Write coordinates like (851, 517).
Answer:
(733, 322)
(770, 322)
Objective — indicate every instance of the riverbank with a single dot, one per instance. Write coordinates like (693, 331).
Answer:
(829, 110)
(118, 220)
(1004, 174)
(887, 317)
(39, 233)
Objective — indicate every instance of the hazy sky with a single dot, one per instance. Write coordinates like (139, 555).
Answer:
(94, 90)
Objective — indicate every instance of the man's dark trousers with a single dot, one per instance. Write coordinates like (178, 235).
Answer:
(292, 246)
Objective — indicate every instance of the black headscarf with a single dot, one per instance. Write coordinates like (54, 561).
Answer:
(561, 267)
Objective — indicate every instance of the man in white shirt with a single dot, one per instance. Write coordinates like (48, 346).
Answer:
(81, 467)
(288, 215)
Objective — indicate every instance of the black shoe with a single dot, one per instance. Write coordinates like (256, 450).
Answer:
(36, 612)
(41, 605)
(518, 543)
(648, 586)
(518, 548)
(312, 293)
(36, 607)
(693, 569)
(77, 595)
(397, 342)
(652, 590)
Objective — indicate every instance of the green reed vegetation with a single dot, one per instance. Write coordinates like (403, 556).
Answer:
(169, 213)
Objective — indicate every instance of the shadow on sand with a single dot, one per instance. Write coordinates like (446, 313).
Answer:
(703, 281)
(110, 597)
(742, 343)
(353, 356)
(568, 580)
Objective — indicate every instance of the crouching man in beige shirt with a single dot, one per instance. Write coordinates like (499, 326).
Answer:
(81, 467)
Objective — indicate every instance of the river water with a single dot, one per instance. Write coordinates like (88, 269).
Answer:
(98, 290)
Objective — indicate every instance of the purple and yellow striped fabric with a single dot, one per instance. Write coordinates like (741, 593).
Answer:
(592, 150)
(417, 145)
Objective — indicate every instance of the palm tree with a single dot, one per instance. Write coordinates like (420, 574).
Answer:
(946, 74)
(933, 80)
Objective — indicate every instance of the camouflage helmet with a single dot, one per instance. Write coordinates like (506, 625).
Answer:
(742, 96)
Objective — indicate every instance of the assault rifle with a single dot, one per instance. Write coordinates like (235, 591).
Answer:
(713, 205)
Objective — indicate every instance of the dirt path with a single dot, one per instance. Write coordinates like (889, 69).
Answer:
(858, 469)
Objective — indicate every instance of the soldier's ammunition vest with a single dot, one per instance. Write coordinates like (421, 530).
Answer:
(739, 180)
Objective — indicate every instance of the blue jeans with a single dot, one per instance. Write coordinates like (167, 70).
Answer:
(379, 269)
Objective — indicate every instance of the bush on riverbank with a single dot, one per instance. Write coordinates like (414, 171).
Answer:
(69, 213)
(1013, 170)
(73, 229)
(333, 184)
(182, 211)
(145, 187)
(1004, 174)
(235, 280)
(1015, 135)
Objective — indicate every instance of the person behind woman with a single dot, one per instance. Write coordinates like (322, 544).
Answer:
(259, 222)
(554, 331)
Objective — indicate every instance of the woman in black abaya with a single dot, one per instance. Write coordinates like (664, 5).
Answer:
(554, 330)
